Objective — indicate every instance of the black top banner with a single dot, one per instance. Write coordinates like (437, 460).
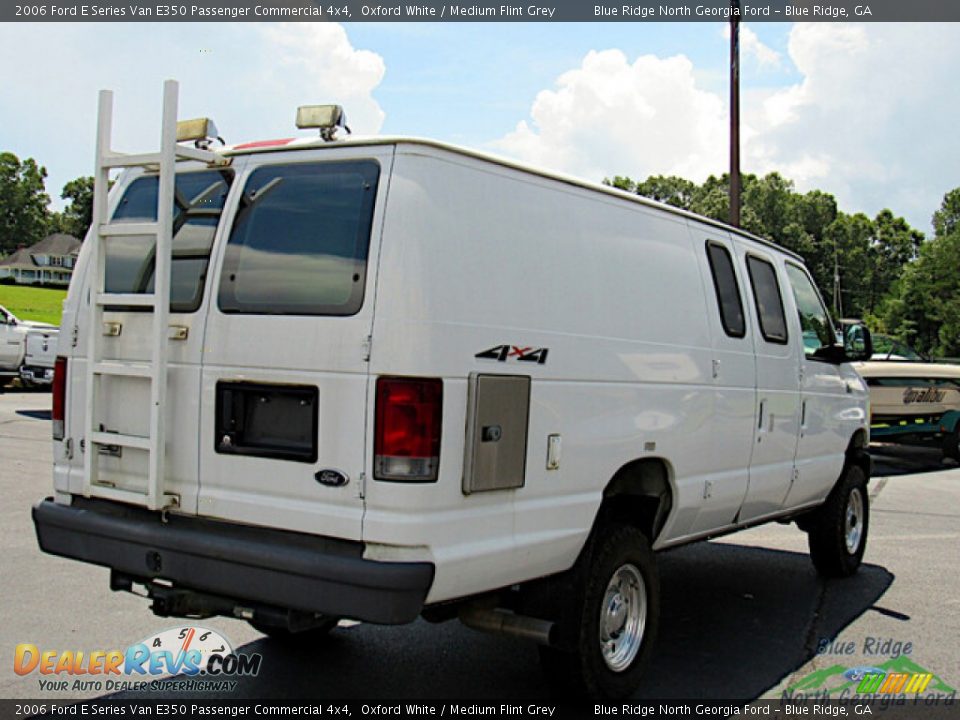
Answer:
(480, 11)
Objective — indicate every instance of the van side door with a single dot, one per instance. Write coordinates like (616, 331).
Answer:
(777, 418)
(824, 394)
(734, 375)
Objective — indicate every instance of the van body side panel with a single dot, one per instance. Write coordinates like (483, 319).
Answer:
(290, 351)
(734, 404)
(476, 256)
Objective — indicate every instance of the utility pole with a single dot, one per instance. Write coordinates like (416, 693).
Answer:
(735, 113)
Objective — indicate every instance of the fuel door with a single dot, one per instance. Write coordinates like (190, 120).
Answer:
(498, 412)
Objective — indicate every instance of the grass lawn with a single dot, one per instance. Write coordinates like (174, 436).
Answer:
(33, 303)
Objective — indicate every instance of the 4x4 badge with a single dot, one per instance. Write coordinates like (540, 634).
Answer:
(503, 353)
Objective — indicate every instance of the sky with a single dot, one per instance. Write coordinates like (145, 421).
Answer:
(866, 112)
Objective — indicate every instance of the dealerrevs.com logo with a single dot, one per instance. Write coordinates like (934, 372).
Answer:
(201, 659)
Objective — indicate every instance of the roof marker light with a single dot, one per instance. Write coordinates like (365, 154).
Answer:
(327, 118)
(201, 130)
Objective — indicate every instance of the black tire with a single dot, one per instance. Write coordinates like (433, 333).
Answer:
(837, 530)
(951, 444)
(305, 637)
(584, 668)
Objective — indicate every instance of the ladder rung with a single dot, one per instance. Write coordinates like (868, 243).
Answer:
(131, 441)
(123, 369)
(122, 160)
(119, 229)
(204, 156)
(131, 496)
(135, 299)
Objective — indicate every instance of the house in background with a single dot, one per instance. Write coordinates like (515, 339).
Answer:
(49, 262)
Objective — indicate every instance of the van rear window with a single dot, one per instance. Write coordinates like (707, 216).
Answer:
(198, 204)
(300, 239)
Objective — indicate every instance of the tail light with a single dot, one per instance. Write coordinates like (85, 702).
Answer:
(406, 442)
(59, 396)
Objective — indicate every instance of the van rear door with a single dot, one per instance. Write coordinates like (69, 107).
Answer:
(123, 402)
(285, 360)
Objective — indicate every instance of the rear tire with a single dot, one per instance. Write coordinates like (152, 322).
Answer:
(613, 618)
(837, 531)
(304, 637)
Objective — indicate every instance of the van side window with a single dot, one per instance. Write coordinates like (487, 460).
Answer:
(814, 321)
(300, 239)
(766, 293)
(728, 292)
(198, 204)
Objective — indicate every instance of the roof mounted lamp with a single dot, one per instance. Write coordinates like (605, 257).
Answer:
(201, 130)
(326, 118)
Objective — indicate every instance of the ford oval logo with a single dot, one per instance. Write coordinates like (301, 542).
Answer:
(332, 478)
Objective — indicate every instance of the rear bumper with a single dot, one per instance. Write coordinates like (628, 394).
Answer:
(249, 564)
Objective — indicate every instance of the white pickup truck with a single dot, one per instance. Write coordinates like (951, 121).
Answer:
(28, 346)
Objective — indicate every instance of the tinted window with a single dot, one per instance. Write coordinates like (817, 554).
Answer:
(766, 293)
(198, 204)
(814, 321)
(300, 239)
(728, 292)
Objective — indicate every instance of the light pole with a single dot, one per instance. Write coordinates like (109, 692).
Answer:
(735, 113)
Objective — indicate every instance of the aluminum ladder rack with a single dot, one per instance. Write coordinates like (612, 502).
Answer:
(154, 372)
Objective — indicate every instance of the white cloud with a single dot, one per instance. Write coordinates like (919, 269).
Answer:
(752, 46)
(872, 119)
(610, 116)
(249, 77)
(323, 53)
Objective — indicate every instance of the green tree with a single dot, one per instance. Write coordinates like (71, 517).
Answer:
(925, 307)
(671, 190)
(24, 217)
(947, 219)
(846, 247)
(76, 217)
(893, 245)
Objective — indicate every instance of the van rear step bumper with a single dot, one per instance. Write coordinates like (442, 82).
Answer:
(261, 566)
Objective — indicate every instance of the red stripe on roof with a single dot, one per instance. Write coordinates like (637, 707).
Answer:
(263, 143)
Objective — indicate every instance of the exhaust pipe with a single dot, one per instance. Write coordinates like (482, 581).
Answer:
(503, 622)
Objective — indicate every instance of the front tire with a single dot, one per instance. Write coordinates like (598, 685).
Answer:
(614, 616)
(837, 532)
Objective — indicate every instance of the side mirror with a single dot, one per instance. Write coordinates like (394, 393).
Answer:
(857, 343)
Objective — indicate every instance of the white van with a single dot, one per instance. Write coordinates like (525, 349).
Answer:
(405, 378)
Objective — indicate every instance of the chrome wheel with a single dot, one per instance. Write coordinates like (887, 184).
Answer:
(623, 617)
(853, 521)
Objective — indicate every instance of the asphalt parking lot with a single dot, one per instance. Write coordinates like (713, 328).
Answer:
(743, 617)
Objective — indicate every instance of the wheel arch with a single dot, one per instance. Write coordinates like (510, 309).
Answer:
(640, 493)
(858, 453)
